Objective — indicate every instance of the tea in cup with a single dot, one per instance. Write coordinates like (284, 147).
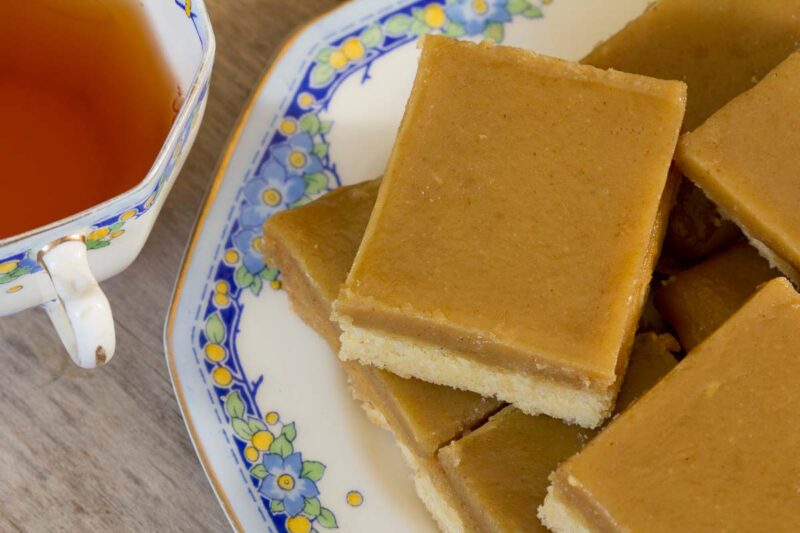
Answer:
(100, 100)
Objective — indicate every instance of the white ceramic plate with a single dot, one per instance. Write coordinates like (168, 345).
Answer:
(264, 399)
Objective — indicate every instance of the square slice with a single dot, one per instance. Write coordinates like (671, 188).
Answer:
(314, 246)
(712, 447)
(720, 49)
(515, 230)
(500, 471)
(699, 300)
(745, 158)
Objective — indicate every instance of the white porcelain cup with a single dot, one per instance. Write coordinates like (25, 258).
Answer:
(58, 266)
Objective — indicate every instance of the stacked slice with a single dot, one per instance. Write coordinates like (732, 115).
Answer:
(710, 448)
(507, 254)
(510, 253)
(458, 477)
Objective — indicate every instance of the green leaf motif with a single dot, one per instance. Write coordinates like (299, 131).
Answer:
(256, 425)
(116, 226)
(259, 471)
(215, 329)
(515, 7)
(316, 183)
(398, 25)
(418, 28)
(312, 470)
(454, 29)
(327, 519)
(258, 284)
(310, 124)
(321, 75)
(14, 274)
(326, 126)
(234, 405)
(494, 31)
(242, 429)
(243, 277)
(302, 201)
(95, 245)
(281, 446)
(372, 36)
(289, 432)
(312, 507)
(320, 150)
(533, 12)
(324, 55)
(269, 274)
(276, 506)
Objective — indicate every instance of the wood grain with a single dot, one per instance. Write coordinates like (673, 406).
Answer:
(107, 450)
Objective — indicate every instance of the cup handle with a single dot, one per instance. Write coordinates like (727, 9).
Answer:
(81, 313)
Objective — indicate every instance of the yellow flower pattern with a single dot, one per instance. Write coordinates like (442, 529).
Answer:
(434, 16)
(222, 376)
(102, 236)
(262, 440)
(339, 58)
(8, 267)
(221, 300)
(353, 49)
(305, 100)
(13, 269)
(480, 6)
(266, 442)
(354, 498)
(288, 127)
(251, 454)
(98, 234)
(231, 257)
(455, 18)
(298, 524)
(214, 352)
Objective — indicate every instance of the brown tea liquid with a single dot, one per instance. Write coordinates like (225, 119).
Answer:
(86, 101)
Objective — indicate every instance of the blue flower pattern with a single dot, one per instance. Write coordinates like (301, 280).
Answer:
(295, 169)
(284, 483)
(29, 263)
(249, 242)
(475, 15)
(296, 156)
(18, 266)
(280, 183)
(272, 190)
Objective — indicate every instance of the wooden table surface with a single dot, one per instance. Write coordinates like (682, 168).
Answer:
(107, 450)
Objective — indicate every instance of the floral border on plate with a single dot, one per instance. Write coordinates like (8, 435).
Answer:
(294, 170)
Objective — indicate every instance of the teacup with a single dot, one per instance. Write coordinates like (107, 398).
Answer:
(59, 265)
